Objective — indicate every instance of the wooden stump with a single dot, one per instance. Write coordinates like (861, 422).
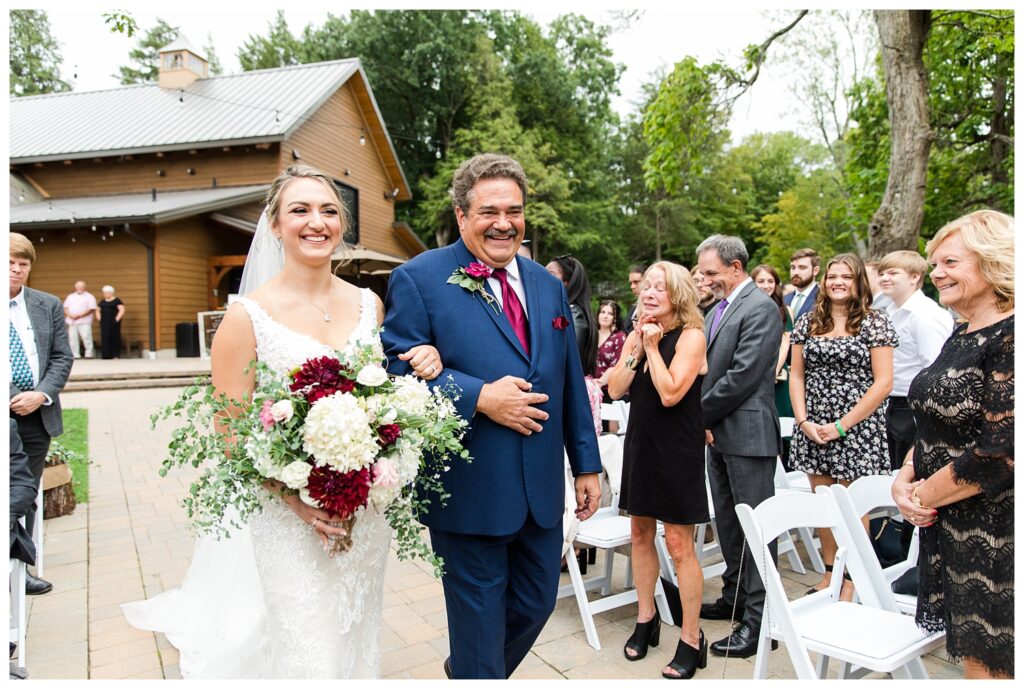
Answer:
(58, 496)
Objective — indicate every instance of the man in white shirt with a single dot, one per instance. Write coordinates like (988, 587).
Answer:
(804, 266)
(880, 301)
(79, 309)
(923, 327)
(40, 360)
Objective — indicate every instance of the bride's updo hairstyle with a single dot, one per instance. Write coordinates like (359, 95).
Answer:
(300, 171)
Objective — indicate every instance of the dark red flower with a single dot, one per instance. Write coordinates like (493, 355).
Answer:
(340, 494)
(560, 322)
(321, 377)
(388, 433)
(478, 270)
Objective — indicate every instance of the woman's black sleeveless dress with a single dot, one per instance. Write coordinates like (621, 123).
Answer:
(663, 461)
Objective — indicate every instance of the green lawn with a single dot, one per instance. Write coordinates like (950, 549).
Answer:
(76, 439)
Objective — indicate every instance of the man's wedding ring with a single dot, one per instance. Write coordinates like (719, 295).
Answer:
(312, 524)
(430, 369)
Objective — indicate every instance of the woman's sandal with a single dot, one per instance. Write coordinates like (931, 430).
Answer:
(828, 568)
(646, 634)
(687, 659)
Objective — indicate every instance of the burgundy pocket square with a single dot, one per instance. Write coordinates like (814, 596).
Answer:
(560, 323)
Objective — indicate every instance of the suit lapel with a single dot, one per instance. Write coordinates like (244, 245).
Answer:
(39, 317)
(733, 308)
(464, 258)
(533, 310)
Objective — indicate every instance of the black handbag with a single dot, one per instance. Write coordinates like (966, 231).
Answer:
(887, 540)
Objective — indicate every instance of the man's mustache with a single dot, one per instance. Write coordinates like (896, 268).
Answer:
(500, 234)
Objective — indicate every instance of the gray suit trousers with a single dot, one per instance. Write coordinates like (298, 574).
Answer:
(740, 480)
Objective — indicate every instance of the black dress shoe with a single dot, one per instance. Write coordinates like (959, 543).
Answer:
(35, 586)
(721, 609)
(448, 667)
(742, 643)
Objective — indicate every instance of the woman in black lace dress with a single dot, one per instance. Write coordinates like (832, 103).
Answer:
(957, 482)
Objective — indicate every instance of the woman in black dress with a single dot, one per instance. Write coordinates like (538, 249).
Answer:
(957, 482)
(109, 312)
(662, 367)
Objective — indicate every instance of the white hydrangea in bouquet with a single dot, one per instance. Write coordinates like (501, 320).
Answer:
(337, 430)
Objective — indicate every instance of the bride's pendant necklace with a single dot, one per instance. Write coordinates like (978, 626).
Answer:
(327, 316)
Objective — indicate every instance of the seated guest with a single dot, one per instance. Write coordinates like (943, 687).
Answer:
(663, 461)
(957, 482)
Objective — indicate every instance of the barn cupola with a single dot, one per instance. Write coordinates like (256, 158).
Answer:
(181, 64)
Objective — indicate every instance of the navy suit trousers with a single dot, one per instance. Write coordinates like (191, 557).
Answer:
(500, 596)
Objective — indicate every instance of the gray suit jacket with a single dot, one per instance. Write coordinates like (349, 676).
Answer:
(738, 394)
(46, 314)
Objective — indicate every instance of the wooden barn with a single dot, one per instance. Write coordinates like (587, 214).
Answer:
(156, 189)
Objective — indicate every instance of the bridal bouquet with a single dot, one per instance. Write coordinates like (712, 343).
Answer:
(338, 431)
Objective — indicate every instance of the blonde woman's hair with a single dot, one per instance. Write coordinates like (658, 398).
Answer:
(682, 294)
(987, 234)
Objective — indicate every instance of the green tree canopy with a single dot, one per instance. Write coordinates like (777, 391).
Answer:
(35, 55)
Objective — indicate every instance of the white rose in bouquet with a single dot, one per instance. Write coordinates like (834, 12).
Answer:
(338, 434)
(296, 474)
(371, 376)
(282, 410)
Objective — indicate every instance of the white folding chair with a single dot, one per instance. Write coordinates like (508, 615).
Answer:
(871, 635)
(617, 411)
(606, 530)
(37, 531)
(867, 496)
(812, 544)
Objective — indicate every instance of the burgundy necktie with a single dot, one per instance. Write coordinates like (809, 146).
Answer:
(513, 308)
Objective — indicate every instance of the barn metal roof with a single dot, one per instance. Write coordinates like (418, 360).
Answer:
(146, 207)
(252, 107)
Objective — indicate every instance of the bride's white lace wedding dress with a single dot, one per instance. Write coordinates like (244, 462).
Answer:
(268, 602)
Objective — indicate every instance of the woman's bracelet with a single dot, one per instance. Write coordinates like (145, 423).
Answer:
(842, 431)
(801, 424)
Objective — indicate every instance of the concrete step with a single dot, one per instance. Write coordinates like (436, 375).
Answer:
(129, 383)
(131, 375)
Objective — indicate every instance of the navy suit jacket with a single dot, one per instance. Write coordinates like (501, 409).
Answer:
(808, 304)
(511, 474)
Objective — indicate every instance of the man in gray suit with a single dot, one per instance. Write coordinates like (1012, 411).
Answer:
(743, 334)
(41, 361)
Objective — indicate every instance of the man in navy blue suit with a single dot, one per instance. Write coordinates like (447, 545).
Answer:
(506, 339)
(803, 272)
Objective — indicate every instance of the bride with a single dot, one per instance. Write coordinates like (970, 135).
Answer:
(269, 602)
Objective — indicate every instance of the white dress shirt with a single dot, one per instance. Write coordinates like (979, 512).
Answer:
(515, 281)
(23, 325)
(923, 327)
(734, 295)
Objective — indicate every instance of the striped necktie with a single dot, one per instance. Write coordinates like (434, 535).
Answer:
(21, 372)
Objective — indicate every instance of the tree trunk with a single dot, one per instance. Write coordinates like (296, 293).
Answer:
(999, 136)
(58, 501)
(896, 224)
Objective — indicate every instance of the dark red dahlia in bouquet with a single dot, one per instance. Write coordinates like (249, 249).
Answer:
(321, 377)
(341, 494)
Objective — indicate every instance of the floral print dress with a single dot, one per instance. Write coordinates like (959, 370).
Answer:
(837, 373)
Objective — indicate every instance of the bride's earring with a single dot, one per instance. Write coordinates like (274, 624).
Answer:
(277, 242)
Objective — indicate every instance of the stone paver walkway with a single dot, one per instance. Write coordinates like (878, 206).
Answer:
(130, 541)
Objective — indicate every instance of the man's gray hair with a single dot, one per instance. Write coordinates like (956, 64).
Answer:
(727, 248)
(484, 166)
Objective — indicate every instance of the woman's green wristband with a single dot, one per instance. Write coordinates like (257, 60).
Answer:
(839, 427)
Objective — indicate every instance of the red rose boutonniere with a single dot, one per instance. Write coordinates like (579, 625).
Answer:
(560, 322)
(471, 278)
